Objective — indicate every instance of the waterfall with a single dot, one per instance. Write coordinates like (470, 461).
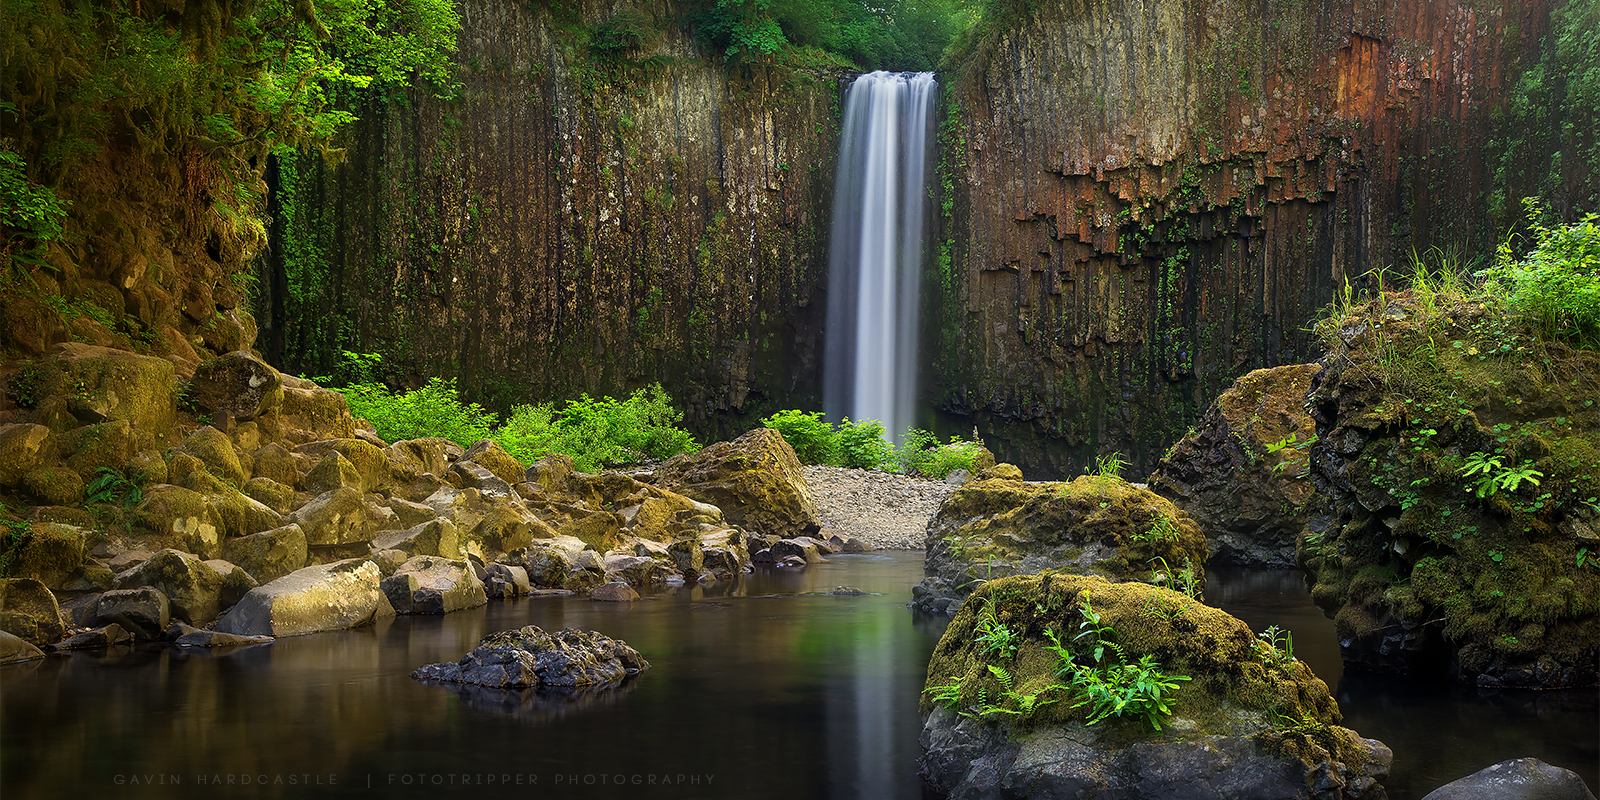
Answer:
(875, 252)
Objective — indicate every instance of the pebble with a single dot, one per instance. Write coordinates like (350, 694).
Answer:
(885, 511)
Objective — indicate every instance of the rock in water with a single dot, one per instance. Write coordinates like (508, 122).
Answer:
(755, 480)
(1517, 779)
(531, 658)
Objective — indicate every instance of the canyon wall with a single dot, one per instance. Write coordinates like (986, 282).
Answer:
(575, 220)
(1146, 199)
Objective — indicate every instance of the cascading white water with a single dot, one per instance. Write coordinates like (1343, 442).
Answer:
(875, 252)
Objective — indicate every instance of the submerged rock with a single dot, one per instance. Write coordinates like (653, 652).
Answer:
(1007, 714)
(529, 658)
(1517, 779)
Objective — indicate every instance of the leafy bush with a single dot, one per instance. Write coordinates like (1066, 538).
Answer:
(595, 433)
(812, 438)
(1556, 288)
(922, 453)
(862, 445)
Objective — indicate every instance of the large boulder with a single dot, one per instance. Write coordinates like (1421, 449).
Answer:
(22, 448)
(51, 553)
(14, 648)
(367, 460)
(236, 385)
(491, 456)
(215, 450)
(269, 555)
(326, 597)
(336, 517)
(1244, 471)
(29, 611)
(193, 589)
(411, 458)
(510, 526)
(1517, 779)
(433, 585)
(181, 517)
(1072, 661)
(435, 537)
(1095, 525)
(101, 383)
(309, 414)
(332, 471)
(755, 480)
(531, 658)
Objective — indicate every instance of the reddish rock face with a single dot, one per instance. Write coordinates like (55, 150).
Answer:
(1148, 200)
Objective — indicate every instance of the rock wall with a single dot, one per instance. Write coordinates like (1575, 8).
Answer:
(1145, 200)
(576, 220)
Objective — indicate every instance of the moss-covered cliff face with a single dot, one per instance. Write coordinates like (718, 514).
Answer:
(1145, 200)
(579, 219)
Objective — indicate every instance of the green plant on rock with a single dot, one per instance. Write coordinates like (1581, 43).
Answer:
(1276, 647)
(1014, 702)
(1110, 465)
(111, 486)
(1112, 685)
(1556, 287)
(995, 637)
(1492, 476)
(947, 694)
(1181, 580)
(1163, 528)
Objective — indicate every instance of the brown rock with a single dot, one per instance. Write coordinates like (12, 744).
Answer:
(755, 480)
(614, 592)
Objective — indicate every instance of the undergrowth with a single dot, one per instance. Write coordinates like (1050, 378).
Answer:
(864, 444)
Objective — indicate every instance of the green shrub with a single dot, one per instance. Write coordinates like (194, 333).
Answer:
(433, 410)
(812, 438)
(921, 453)
(1556, 288)
(862, 445)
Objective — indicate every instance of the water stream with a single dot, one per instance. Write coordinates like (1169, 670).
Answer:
(770, 688)
(875, 249)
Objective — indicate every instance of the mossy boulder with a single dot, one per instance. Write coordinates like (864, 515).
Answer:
(313, 414)
(182, 517)
(1429, 564)
(434, 585)
(268, 555)
(23, 447)
(435, 537)
(993, 527)
(50, 553)
(337, 517)
(1249, 719)
(236, 385)
(755, 480)
(325, 597)
(413, 457)
(54, 486)
(509, 526)
(550, 473)
(270, 493)
(490, 456)
(1244, 471)
(215, 450)
(274, 462)
(93, 447)
(369, 462)
(332, 471)
(601, 530)
(193, 589)
(102, 384)
(29, 611)
(531, 658)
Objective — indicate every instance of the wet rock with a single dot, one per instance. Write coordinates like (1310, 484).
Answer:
(50, 553)
(505, 581)
(104, 636)
(434, 585)
(755, 480)
(389, 560)
(791, 562)
(687, 556)
(847, 590)
(633, 570)
(22, 448)
(190, 636)
(725, 549)
(489, 455)
(269, 555)
(509, 526)
(14, 648)
(1243, 472)
(28, 610)
(236, 581)
(1516, 779)
(805, 551)
(614, 592)
(325, 597)
(530, 657)
(184, 517)
(142, 612)
(192, 588)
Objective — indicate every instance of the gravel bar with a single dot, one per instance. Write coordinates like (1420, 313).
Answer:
(883, 510)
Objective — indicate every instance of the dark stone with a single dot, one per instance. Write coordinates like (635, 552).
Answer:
(616, 592)
(236, 384)
(143, 612)
(530, 657)
(104, 636)
(189, 636)
(1517, 779)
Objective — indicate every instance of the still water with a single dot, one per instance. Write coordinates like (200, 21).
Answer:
(758, 690)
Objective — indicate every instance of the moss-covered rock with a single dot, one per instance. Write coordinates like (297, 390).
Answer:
(193, 589)
(1428, 562)
(509, 526)
(369, 462)
(101, 384)
(332, 471)
(237, 385)
(50, 553)
(93, 447)
(215, 450)
(312, 414)
(1244, 472)
(413, 457)
(993, 527)
(601, 530)
(181, 517)
(1259, 717)
(435, 537)
(146, 467)
(550, 472)
(29, 611)
(490, 455)
(337, 517)
(269, 555)
(755, 480)
(270, 493)
(274, 462)
(23, 447)
(55, 486)
(325, 597)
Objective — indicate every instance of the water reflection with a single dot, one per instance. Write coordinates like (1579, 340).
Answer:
(1440, 731)
(757, 689)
